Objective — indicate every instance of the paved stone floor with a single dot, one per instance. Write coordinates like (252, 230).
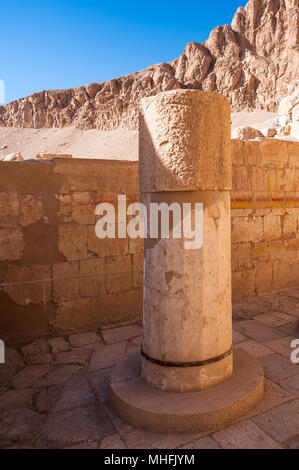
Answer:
(54, 392)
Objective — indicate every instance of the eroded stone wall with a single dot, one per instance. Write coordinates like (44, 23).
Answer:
(47, 233)
(265, 216)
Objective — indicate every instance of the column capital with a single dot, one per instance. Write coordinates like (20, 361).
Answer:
(184, 142)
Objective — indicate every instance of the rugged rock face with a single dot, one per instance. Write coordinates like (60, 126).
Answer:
(288, 112)
(252, 62)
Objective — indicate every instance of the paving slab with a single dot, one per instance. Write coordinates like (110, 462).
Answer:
(245, 435)
(282, 422)
(257, 330)
(277, 367)
(255, 348)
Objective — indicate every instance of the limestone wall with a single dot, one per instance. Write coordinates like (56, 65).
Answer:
(47, 222)
(265, 216)
(57, 277)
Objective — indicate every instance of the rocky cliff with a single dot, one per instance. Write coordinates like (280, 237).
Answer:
(252, 62)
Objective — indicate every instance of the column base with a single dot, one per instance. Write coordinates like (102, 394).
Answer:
(187, 379)
(140, 404)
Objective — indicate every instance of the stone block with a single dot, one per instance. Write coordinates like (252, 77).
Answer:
(65, 205)
(245, 435)
(119, 273)
(255, 229)
(51, 156)
(252, 154)
(185, 142)
(33, 292)
(95, 312)
(272, 227)
(66, 287)
(257, 178)
(248, 282)
(31, 210)
(274, 152)
(264, 277)
(83, 208)
(94, 282)
(285, 273)
(240, 230)
(138, 270)
(136, 245)
(282, 422)
(237, 149)
(72, 241)
(292, 245)
(240, 178)
(9, 209)
(257, 330)
(237, 286)
(12, 244)
(260, 250)
(289, 226)
(123, 333)
(286, 180)
(106, 246)
(293, 148)
(276, 248)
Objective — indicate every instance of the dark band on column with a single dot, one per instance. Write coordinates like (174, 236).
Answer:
(187, 364)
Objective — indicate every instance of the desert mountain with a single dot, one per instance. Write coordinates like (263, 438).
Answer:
(252, 61)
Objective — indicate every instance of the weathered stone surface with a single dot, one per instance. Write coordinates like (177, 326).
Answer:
(59, 345)
(274, 319)
(75, 356)
(255, 349)
(257, 331)
(16, 399)
(288, 112)
(92, 282)
(72, 241)
(178, 146)
(291, 384)
(245, 435)
(253, 61)
(28, 292)
(100, 382)
(282, 423)
(187, 299)
(11, 244)
(13, 157)
(116, 335)
(18, 423)
(47, 398)
(9, 209)
(67, 285)
(140, 404)
(108, 356)
(277, 367)
(246, 133)
(37, 352)
(119, 273)
(59, 375)
(282, 346)
(82, 339)
(31, 210)
(105, 310)
(30, 376)
(76, 392)
(112, 442)
(203, 443)
(76, 425)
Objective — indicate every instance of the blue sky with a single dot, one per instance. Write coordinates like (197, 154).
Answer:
(60, 44)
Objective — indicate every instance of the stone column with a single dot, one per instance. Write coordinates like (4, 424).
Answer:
(185, 157)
